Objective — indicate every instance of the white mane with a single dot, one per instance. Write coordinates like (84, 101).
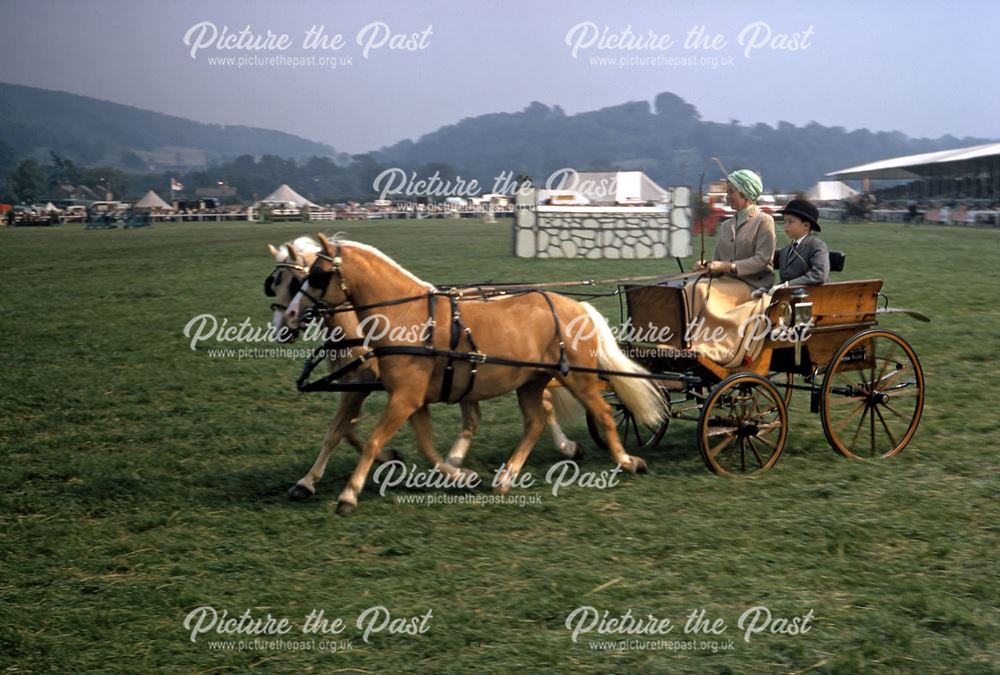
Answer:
(302, 244)
(383, 256)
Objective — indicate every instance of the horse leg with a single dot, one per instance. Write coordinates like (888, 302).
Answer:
(470, 422)
(586, 390)
(386, 454)
(396, 412)
(565, 446)
(421, 423)
(529, 397)
(342, 426)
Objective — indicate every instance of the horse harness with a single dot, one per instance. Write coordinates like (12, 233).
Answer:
(320, 280)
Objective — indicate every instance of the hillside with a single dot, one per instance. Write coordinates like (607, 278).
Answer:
(91, 132)
(668, 140)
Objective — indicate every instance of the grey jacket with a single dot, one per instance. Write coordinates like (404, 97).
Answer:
(750, 246)
(807, 264)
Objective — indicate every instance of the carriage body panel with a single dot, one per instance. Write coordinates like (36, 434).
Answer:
(839, 310)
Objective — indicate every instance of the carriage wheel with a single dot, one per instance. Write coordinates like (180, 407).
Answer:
(630, 430)
(743, 425)
(783, 382)
(873, 395)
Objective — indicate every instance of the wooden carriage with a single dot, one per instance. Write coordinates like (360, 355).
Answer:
(865, 382)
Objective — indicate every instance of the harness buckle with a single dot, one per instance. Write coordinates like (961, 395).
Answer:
(477, 357)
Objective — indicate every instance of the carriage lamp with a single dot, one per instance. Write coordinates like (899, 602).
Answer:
(784, 314)
(803, 317)
(803, 309)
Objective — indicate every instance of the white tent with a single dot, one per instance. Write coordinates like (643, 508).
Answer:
(151, 200)
(607, 187)
(50, 208)
(287, 196)
(830, 191)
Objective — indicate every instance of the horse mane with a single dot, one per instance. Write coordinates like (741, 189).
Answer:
(303, 244)
(376, 252)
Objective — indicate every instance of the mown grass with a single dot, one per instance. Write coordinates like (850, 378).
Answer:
(142, 479)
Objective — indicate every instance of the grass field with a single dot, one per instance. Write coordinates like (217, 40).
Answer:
(142, 480)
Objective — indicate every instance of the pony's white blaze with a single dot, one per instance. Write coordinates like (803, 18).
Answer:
(639, 395)
(292, 313)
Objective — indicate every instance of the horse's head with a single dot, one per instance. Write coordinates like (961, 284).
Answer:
(291, 265)
(324, 287)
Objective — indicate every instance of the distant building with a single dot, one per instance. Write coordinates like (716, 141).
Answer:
(963, 173)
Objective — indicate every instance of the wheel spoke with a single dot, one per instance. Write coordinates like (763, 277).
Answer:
(731, 454)
(714, 452)
(861, 423)
(871, 416)
(874, 363)
(635, 431)
(886, 427)
(846, 400)
(766, 442)
(888, 377)
(843, 423)
(756, 454)
(764, 429)
(888, 360)
(896, 413)
(718, 431)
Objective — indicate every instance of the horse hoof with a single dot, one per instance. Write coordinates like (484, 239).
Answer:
(300, 492)
(639, 465)
(395, 454)
(577, 453)
(345, 508)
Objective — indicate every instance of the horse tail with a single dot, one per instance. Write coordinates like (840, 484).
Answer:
(565, 406)
(640, 396)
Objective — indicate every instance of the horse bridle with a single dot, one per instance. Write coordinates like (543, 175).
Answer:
(295, 285)
(319, 279)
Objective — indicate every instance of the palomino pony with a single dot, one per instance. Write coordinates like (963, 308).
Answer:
(526, 328)
(291, 263)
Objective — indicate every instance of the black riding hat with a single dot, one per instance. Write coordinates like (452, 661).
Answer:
(805, 210)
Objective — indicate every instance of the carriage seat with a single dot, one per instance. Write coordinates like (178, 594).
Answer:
(836, 260)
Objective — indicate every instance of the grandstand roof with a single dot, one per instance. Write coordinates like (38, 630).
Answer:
(911, 165)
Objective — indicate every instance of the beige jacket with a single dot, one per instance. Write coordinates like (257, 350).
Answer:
(750, 246)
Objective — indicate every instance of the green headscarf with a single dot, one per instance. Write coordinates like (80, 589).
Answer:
(747, 182)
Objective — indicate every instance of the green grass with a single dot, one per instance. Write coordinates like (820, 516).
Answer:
(141, 479)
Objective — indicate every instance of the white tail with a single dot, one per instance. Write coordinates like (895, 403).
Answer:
(640, 396)
(565, 406)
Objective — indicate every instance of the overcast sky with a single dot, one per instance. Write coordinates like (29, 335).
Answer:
(925, 68)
